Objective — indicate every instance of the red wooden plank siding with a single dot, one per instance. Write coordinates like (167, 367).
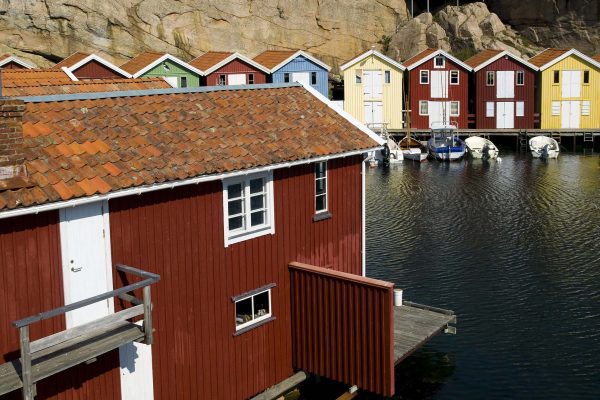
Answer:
(343, 327)
(236, 67)
(95, 70)
(31, 282)
(486, 93)
(178, 233)
(420, 92)
(12, 65)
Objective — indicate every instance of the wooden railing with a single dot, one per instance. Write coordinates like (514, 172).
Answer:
(54, 344)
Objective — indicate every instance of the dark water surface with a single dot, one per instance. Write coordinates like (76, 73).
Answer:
(514, 249)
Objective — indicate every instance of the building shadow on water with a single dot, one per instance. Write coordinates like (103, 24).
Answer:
(420, 376)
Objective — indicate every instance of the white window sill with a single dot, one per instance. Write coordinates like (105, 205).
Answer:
(253, 326)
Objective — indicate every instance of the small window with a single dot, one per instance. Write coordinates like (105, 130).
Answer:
(221, 80)
(183, 82)
(454, 77)
(491, 75)
(556, 77)
(358, 76)
(423, 107)
(520, 109)
(286, 77)
(520, 78)
(556, 108)
(253, 308)
(489, 109)
(585, 108)
(313, 78)
(424, 77)
(387, 76)
(454, 108)
(586, 77)
(321, 186)
(250, 79)
(439, 62)
(248, 207)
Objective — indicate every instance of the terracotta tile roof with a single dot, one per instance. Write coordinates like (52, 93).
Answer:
(4, 57)
(272, 58)
(596, 57)
(546, 56)
(140, 61)
(482, 57)
(207, 60)
(45, 82)
(71, 60)
(87, 146)
(419, 56)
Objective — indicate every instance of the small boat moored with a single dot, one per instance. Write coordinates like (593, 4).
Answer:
(412, 149)
(544, 147)
(479, 147)
(445, 144)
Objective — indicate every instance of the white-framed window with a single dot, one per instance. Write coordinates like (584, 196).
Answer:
(520, 109)
(321, 186)
(489, 109)
(387, 76)
(491, 75)
(221, 81)
(585, 108)
(520, 78)
(556, 108)
(286, 77)
(313, 78)
(424, 77)
(439, 62)
(253, 307)
(454, 77)
(248, 207)
(250, 79)
(454, 108)
(423, 107)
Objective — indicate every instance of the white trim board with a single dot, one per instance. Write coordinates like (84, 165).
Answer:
(303, 54)
(437, 53)
(502, 54)
(107, 64)
(233, 57)
(17, 61)
(69, 74)
(163, 58)
(375, 53)
(572, 52)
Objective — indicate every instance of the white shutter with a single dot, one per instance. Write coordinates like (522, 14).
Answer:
(520, 111)
(439, 84)
(171, 80)
(566, 84)
(377, 84)
(368, 112)
(505, 84)
(378, 112)
(585, 108)
(236, 79)
(576, 84)
(301, 77)
(489, 109)
(556, 108)
(368, 84)
(574, 116)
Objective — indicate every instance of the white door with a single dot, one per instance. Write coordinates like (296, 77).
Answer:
(505, 114)
(571, 84)
(439, 84)
(372, 84)
(505, 85)
(439, 112)
(171, 80)
(570, 111)
(236, 79)
(85, 246)
(136, 371)
(301, 77)
(373, 112)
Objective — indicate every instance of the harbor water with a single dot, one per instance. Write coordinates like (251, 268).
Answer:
(513, 247)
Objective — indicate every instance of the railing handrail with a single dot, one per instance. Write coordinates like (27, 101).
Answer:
(150, 278)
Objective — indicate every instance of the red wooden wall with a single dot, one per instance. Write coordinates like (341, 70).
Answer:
(12, 65)
(343, 327)
(31, 282)
(178, 233)
(95, 70)
(236, 67)
(484, 93)
(420, 92)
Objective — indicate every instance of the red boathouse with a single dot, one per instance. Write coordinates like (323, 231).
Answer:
(90, 66)
(438, 86)
(504, 90)
(223, 68)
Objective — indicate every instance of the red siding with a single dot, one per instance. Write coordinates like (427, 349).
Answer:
(236, 67)
(31, 282)
(486, 93)
(420, 92)
(178, 233)
(12, 65)
(95, 70)
(343, 327)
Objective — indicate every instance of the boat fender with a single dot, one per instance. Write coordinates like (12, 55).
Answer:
(385, 152)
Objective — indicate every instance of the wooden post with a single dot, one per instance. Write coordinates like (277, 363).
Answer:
(26, 363)
(147, 315)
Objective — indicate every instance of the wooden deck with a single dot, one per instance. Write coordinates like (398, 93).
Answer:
(415, 324)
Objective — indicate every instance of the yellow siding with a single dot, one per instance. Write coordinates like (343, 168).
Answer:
(392, 92)
(552, 92)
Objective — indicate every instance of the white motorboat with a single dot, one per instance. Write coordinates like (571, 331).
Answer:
(479, 147)
(445, 144)
(544, 147)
